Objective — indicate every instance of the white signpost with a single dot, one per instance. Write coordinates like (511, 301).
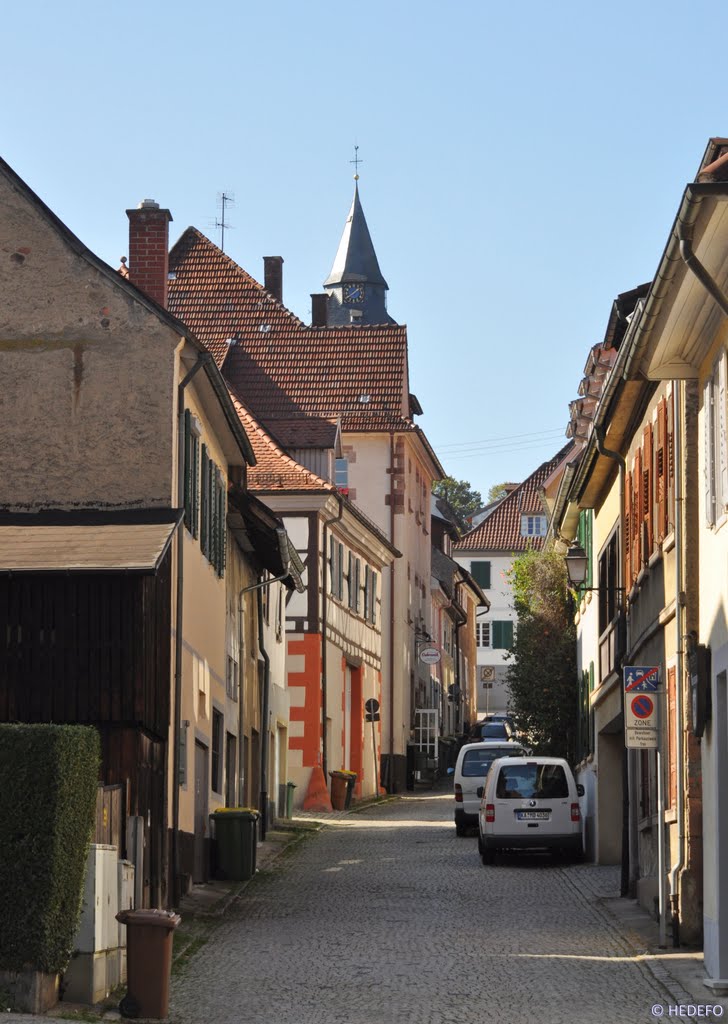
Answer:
(641, 726)
(642, 732)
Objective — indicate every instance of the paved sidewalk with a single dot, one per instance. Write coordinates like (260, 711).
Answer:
(680, 970)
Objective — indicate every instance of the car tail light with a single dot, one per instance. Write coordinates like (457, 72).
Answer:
(575, 812)
(490, 812)
(458, 793)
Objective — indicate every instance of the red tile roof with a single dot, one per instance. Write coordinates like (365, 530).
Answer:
(282, 368)
(501, 531)
(216, 297)
(273, 469)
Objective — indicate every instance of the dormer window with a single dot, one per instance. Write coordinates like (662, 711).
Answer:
(341, 474)
(533, 526)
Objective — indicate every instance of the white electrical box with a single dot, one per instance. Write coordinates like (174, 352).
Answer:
(99, 929)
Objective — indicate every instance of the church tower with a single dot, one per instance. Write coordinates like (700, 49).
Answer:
(357, 292)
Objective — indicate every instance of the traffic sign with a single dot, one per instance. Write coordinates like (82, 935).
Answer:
(641, 729)
(642, 706)
(371, 707)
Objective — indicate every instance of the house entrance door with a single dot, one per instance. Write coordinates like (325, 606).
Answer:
(201, 812)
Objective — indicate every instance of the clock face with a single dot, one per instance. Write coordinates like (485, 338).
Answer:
(353, 293)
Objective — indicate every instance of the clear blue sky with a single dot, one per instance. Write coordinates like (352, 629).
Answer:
(522, 165)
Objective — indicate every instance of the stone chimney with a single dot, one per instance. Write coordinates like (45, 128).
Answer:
(319, 309)
(149, 249)
(273, 279)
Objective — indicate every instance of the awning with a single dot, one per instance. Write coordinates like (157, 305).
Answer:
(117, 547)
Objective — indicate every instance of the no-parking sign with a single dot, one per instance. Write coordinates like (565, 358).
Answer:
(641, 684)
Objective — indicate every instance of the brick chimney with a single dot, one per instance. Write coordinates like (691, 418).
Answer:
(319, 309)
(149, 249)
(273, 279)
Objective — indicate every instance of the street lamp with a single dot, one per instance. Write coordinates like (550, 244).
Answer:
(577, 565)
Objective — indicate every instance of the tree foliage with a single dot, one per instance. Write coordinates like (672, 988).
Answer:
(497, 491)
(542, 678)
(460, 496)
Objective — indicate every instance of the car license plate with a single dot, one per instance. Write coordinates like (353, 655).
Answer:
(533, 815)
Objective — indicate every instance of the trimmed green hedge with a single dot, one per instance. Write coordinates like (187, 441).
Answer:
(48, 780)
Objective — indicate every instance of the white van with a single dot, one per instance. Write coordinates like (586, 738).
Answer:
(471, 767)
(530, 803)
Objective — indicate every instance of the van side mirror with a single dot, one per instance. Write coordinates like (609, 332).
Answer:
(579, 789)
(479, 792)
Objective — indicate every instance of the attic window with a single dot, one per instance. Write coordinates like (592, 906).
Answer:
(365, 399)
(533, 526)
(264, 328)
(356, 314)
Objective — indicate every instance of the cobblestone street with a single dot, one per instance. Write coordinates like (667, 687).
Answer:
(386, 916)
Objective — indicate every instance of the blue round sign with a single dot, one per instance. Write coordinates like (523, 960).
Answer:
(642, 706)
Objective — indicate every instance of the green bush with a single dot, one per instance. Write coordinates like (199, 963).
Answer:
(48, 780)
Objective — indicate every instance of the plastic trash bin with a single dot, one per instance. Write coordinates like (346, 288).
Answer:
(149, 935)
(350, 783)
(236, 833)
(290, 786)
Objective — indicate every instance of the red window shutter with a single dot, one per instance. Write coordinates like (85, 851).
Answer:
(628, 530)
(637, 553)
(670, 445)
(671, 794)
(661, 471)
(647, 495)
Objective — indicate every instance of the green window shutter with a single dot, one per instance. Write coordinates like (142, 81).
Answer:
(340, 573)
(502, 635)
(350, 578)
(332, 566)
(367, 589)
(195, 484)
(373, 596)
(481, 574)
(205, 508)
(222, 522)
(357, 583)
(188, 470)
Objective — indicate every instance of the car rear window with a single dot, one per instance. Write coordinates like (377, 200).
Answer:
(477, 762)
(494, 730)
(532, 781)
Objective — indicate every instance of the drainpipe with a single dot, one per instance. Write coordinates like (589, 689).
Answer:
(324, 611)
(264, 711)
(202, 360)
(390, 773)
(621, 462)
(677, 867)
(265, 702)
(693, 264)
(684, 232)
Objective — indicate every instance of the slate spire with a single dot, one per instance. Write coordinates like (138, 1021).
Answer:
(356, 288)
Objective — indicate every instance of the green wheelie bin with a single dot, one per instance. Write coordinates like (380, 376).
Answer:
(236, 833)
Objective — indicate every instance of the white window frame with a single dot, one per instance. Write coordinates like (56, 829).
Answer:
(533, 526)
(715, 468)
(482, 634)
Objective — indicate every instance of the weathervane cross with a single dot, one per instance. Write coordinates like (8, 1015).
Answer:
(356, 161)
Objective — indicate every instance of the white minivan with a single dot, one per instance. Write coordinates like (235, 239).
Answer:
(471, 767)
(530, 803)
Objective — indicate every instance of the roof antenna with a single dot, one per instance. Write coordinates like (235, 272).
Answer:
(356, 161)
(222, 199)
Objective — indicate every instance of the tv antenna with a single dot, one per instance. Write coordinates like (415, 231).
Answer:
(223, 198)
